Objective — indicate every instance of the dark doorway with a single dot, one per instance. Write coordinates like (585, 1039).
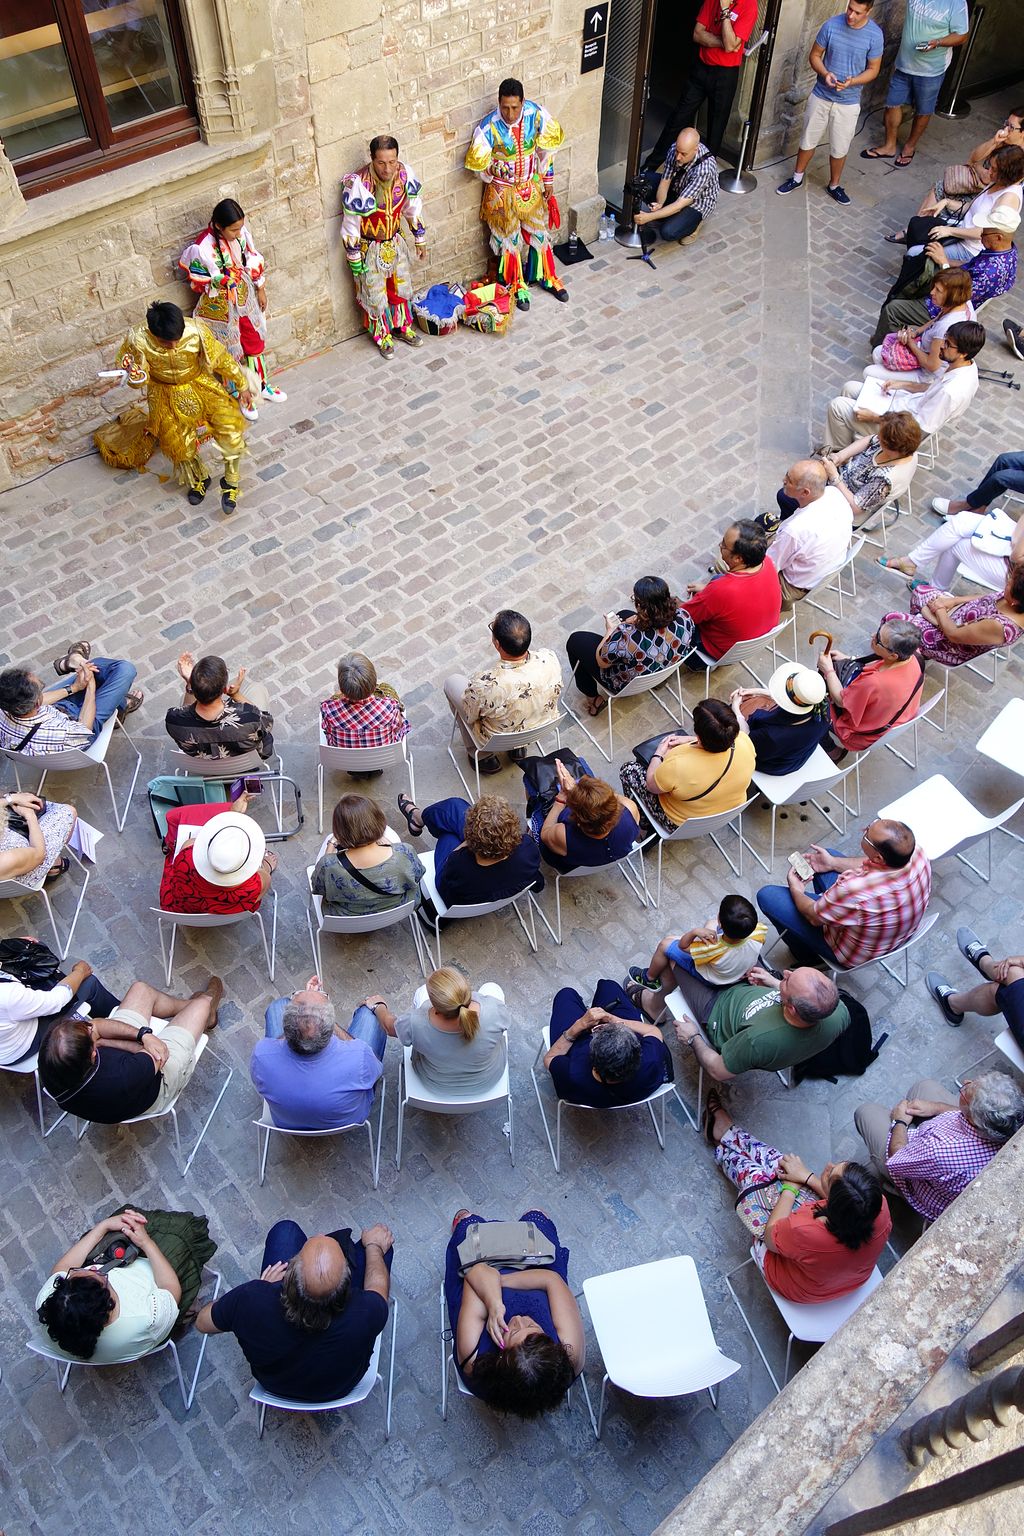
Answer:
(672, 57)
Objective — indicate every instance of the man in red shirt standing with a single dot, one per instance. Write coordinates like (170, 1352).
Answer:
(721, 33)
(741, 604)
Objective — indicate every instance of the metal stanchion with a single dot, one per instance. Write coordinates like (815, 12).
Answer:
(957, 108)
(741, 179)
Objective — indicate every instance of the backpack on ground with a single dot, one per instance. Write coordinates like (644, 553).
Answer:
(850, 1054)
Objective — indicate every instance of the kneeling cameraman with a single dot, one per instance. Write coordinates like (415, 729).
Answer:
(685, 194)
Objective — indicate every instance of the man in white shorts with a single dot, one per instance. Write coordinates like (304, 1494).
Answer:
(846, 56)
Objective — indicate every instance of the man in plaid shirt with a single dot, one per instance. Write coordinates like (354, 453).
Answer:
(930, 1146)
(864, 907)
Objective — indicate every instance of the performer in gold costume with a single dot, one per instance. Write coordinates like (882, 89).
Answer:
(175, 360)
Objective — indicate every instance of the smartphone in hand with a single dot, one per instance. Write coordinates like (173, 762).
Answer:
(800, 864)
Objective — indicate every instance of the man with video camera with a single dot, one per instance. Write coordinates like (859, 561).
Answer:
(675, 204)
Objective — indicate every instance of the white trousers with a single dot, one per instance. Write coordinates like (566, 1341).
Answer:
(951, 545)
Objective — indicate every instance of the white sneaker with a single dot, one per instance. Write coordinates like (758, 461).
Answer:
(249, 412)
(270, 393)
(940, 504)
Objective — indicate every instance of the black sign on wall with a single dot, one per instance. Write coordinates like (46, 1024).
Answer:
(595, 35)
(595, 20)
(593, 54)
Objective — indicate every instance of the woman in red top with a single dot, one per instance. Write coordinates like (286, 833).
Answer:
(224, 867)
(812, 1251)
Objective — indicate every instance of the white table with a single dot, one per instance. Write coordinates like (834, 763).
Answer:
(1003, 742)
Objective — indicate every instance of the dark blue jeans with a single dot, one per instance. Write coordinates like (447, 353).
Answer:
(806, 943)
(568, 1006)
(114, 679)
(445, 820)
(285, 1238)
(677, 226)
(1006, 474)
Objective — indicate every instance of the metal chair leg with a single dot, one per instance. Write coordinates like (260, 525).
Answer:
(543, 1115)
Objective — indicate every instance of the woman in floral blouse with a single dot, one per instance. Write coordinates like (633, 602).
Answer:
(651, 636)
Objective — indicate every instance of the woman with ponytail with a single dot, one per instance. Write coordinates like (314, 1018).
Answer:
(455, 1033)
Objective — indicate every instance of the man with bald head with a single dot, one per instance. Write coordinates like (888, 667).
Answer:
(684, 195)
(864, 906)
(314, 1074)
(308, 1325)
(814, 540)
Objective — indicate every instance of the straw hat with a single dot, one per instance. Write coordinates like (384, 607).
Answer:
(1006, 220)
(228, 849)
(796, 689)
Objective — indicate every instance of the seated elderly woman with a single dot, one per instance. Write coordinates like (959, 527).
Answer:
(955, 630)
(33, 835)
(699, 775)
(578, 820)
(363, 712)
(870, 695)
(456, 1034)
(870, 473)
(483, 852)
(915, 351)
(363, 867)
(517, 1336)
(110, 1314)
(787, 722)
(960, 238)
(651, 635)
(959, 183)
(809, 1249)
(602, 1058)
(216, 859)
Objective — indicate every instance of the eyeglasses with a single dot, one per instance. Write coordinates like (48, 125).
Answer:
(876, 639)
(866, 839)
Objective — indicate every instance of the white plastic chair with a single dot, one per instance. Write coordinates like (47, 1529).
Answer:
(660, 1094)
(265, 1128)
(225, 770)
(176, 920)
(202, 1045)
(811, 1323)
(635, 876)
(30, 1067)
(944, 821)
(878, 519)
(647, 682)
(701, 826)
(475, 909)
(16, 890)
(925, 926)
(833, 583)
(737, 655)
(77, 758)
(319, 922)
(359, 760)
(654, 1333)
(506, 741)
(414, 1093)
(820, 774)
(359, 1393)
(38, 1346)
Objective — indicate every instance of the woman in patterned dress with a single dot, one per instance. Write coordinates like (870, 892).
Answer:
(33, 859)
(652, 635)
(955, 630)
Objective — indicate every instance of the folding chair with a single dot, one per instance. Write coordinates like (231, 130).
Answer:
(246, 765)
(38, 1346)
(176, 920)
(826, 585)
(359, 1393)
(635, 876)
(30, 1066)
(414, 1093)
(77, 758)
(659, 1095)
(701, 826)
(14, 890)
(647, 682)
(820, 774)
(505, 741)
(475, 909)
(265, 1128)
(319, 922)
(359, 760)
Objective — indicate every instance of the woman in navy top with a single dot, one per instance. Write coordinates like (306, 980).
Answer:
(482, 853)
(587, 824)
(786, 723)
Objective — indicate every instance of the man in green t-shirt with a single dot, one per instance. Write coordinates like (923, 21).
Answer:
(764, 1024)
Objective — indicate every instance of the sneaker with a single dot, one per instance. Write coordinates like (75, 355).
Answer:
(638, 975)
(410, 336)
(940, 504)
(198, 493)
(1014, 339)
(792, 185)
(228, 497)
(271, 392)
(972, 948)
(249, 412)
(838, 195)
(522, 301)
(941, 991)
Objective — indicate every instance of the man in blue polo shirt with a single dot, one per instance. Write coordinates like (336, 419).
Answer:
(931, 30)
(846, 56)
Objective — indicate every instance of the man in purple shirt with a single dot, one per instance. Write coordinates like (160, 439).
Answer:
(993, 272)
(314, 1075)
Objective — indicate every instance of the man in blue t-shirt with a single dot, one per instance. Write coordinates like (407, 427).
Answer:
(604, 1059)
(846, 56)
(931, 30)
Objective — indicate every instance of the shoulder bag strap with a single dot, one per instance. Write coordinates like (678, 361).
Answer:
(880, 730)
(357, 874)
(732, 753)
(23, 743)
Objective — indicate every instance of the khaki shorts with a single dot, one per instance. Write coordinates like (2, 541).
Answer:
(839, 122)
(181, 1055)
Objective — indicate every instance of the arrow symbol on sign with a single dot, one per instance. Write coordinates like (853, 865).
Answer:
(596, 21)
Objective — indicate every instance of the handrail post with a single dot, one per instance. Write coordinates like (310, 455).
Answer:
(957, 108)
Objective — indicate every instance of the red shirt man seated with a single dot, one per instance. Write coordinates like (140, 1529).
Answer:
(744, 602)
(223, 867)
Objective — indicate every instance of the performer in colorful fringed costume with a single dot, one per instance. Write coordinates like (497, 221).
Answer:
(511, 153)
(175, 360)
(226, 270)
(374, 202)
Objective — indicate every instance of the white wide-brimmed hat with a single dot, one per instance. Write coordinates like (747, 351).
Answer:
(796, 689)
(229, 848)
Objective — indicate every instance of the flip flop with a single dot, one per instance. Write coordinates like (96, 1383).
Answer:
(886, 562)
(59, 867)
(895, 239)
(902, 160)
(872, 154)
(712, 1105)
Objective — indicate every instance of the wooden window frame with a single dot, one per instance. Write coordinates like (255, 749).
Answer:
(105, 148)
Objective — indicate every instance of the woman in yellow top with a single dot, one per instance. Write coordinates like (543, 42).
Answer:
(699, 775)
(177, 362)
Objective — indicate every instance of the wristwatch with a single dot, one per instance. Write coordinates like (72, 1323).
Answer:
(145, 1030)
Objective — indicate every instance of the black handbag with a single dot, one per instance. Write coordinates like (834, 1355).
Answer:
(542, 780)
(31, 963)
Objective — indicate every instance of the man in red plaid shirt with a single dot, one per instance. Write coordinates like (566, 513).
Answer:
(863, 908)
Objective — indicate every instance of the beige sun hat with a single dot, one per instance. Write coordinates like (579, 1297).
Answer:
(229, 848)
(796, 689)
(1006, 220)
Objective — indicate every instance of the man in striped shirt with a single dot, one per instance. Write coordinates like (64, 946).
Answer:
(929, 1146)
(863, 908)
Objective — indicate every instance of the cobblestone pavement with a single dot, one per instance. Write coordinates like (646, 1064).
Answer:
(393, 508)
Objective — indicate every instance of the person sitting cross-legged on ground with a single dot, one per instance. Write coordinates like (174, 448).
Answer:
(363, 712)
(699, 775)
(745, 601)
(577, 819)
(519, 692)
(929, 1146)
(517, 1337)
(813, 541)
(607, 1054)
(35, 720)
(864, 906)
(943, 399)
(221, 866)
(456, 1034)
(720, 953)
(786, 723)
(808, 1250)
(314, 1074)
(483, 852)
(114, 1069)
(216, 719)
(763, 1024)
(1000, 991)
(646, 638)
(872, 694)
(112, 1315)
(363, 867)
(308, 1325)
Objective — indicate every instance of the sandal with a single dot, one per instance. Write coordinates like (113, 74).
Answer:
(132, 702)
(407, 808)
(60, 867)
(895, 239)
(891, 563)
(904, 160)
(62, 666)
(596, 706)
(712, 1105)
(873, 154)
